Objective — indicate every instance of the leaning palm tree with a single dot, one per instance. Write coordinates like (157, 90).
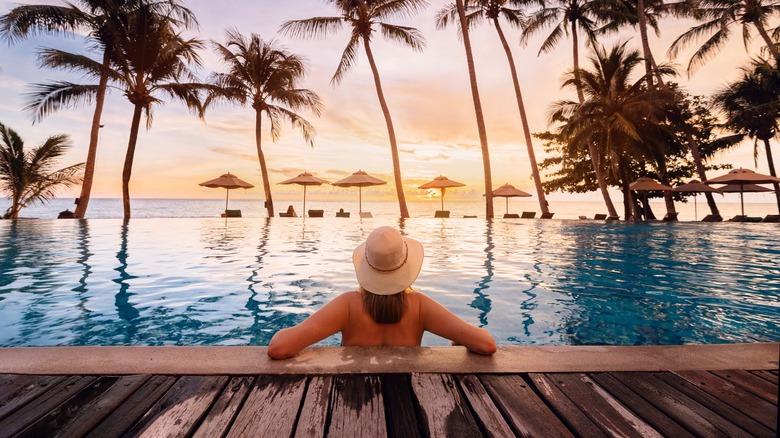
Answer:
(363, 18)
(718, 17)
(28, 177)
(511, 11)
(149, 58)
(751, 108)
(100, 20)
(565, 16)
(267, 76)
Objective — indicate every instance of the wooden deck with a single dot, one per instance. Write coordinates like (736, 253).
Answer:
(730, 403)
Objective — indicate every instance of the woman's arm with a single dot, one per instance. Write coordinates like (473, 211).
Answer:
(328, 320)
(438, 320)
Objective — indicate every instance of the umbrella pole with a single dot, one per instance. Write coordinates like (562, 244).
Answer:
(360, 197)
(695, 209)
(442, 199)
(227, 194)
(741, 199)
(507, 204)
(304, 202)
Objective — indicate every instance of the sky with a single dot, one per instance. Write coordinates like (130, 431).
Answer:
(428, 94)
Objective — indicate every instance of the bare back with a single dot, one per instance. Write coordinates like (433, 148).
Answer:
(362, 330)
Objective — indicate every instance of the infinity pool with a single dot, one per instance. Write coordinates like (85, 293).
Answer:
(529, 282)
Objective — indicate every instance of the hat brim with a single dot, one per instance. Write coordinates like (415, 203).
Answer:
(388, 283)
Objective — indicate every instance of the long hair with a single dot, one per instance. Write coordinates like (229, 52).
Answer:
(384, 309)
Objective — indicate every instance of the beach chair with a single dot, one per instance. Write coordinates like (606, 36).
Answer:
(232, 213)
(528, 215)
(442, 213)
(547, 215)
(583, 218)
(511, 216)
(342, 214)
(613, 218)
(600, 217)
(67, 214)
(316, 213)
(670, 217)
(365, 215)
(712, 218)
(286, 215)
(469, 217)
(772, 218)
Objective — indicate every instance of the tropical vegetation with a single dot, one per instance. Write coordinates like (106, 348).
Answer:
(28, 176)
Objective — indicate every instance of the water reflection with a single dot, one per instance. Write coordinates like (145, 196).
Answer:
(124, 308)
(481, 301)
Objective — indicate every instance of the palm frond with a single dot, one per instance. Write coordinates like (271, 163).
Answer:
(347, 59)
(317, 27)
(45, 99)
(30, 20)
(405, 35)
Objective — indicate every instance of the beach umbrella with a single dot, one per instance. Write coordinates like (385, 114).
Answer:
(645, 185)
(695, 186)
(509, 191)
(442, 183)
(227, 181)
(305, 179)
(742, 177)
(747, 188)
(359, 179)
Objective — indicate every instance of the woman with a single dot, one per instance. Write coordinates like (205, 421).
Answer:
(385, 310)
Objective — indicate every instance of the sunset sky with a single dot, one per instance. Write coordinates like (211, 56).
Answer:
(427, 92)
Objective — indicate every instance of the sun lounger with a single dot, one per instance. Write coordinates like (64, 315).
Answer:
(547, 215)
(528, 215)
(316, 213)
(469, 217)
(712, 218)
(600, 217)
(670, 217)
(366, 215)
(342, 214)
(583, 218)
(442, 213)
(287, 215)
(511, 216)
(232, 213)
(773, 218)
(613, 218)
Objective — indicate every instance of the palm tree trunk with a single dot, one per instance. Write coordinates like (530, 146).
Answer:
(399, 187)
(772, 171)
(524, 120)
(128, 167)
(94, 135)
(269, 202)
(768, 40)
(576, 61)
(478, 111)
(702, 172)
(640, 9)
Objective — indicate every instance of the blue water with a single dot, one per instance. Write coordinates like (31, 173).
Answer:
(529, 282)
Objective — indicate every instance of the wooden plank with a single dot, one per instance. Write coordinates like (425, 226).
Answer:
(526, 413)
(316, 404)
(10, 383)
(84, 418)
(766, 375)
(443, 411)
(754, 384)
(606, 411)
(133, 408)
(179, 410)
(485, 410)
(569, 413)
(633, 401)
(400, 409)
(726, 399)
(40, 406)
(357, 408)
(271, 408)
(225, 409)
(691, 414)
(25, 390)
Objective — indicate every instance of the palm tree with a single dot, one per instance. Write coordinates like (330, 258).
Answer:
(718, 18)
(363, 18)
(267, 76)
(751, 107)
(149, 58)
(616, 114)
(100, 20)
(572, 16)
(493, 10)
(27, 177)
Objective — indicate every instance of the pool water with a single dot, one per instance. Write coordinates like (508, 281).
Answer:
(528, 282)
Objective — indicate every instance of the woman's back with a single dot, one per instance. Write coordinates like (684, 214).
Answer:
(362, 330)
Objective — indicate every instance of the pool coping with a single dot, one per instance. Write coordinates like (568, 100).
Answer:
(378, 360)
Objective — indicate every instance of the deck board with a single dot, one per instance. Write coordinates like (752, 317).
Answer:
(679, 403)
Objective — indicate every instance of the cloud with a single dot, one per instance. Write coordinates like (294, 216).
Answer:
(232, 152)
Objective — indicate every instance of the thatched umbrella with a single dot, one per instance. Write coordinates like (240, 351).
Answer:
(359, 179)
(509, 191)
(227, 181)
(742, 177)
(305, 179)
(645, 185)
(442, 183)
(694, 186)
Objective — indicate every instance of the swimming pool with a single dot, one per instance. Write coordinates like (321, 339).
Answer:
(529, 282)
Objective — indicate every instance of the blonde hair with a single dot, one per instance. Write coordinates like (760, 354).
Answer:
(384, 309)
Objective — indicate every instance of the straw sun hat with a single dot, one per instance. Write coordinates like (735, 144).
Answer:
(387, 263)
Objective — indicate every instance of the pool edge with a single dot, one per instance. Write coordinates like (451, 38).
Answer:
(377, 360)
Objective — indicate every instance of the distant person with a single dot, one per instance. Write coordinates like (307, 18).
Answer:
(341, 211)
(384, 310)
(291, 211)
